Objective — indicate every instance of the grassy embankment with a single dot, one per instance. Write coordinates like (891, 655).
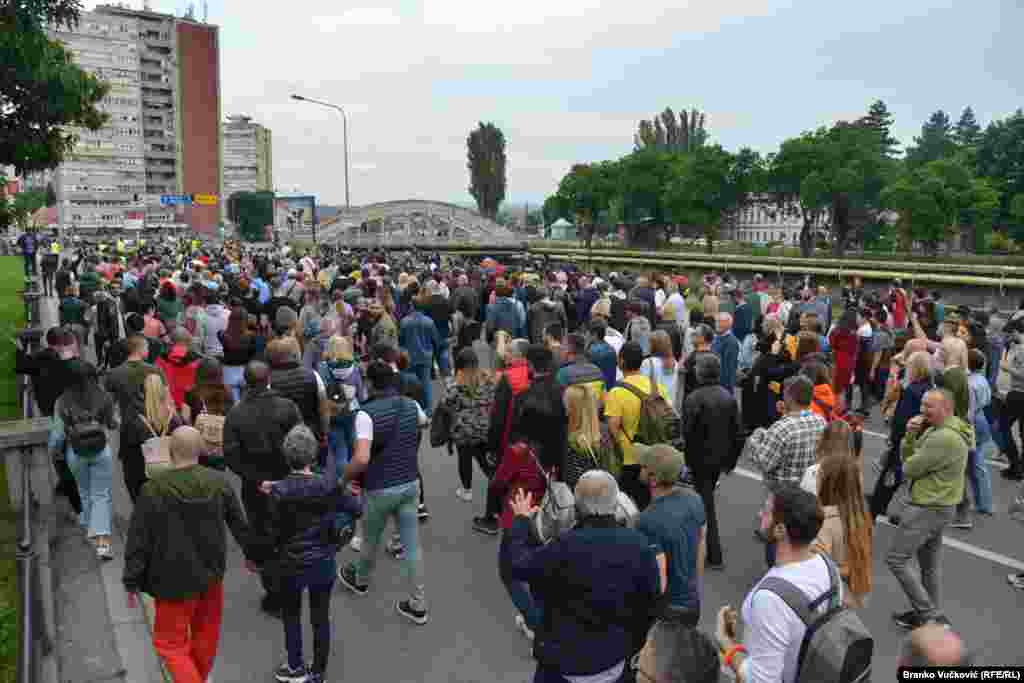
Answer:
(12, 318)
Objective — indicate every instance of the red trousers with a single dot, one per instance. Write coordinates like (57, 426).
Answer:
(186, 633)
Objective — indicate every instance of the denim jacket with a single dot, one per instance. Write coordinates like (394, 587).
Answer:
(418, 335)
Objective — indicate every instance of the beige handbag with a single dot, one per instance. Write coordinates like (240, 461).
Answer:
(156, 451)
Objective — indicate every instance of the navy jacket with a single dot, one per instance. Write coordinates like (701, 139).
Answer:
(599, 585)
(728, 349)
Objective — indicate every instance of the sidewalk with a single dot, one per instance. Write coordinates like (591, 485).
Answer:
(100, 638)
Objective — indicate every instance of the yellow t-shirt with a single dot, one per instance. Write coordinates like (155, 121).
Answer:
(623, 403)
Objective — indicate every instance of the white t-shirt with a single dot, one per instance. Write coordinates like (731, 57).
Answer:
(773, 631)
(364, 423)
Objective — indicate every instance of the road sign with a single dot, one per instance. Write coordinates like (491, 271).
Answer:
(173, 199)
(204, 199)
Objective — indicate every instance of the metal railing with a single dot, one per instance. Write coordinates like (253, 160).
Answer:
(32, 643)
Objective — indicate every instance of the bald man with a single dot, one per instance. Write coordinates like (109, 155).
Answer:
(177, 552)
(727, 347)
(933, 645)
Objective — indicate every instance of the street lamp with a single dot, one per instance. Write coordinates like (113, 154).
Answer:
(344, 120)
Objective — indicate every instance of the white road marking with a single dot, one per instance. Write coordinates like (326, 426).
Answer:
(998, 464)
(991, 556)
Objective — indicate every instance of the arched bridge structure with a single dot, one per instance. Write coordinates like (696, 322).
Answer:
(411, 221)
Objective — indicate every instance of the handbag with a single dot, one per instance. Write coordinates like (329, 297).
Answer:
(156, 451)
(557, 511)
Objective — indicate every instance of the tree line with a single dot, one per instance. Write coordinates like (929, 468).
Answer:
(849, 179)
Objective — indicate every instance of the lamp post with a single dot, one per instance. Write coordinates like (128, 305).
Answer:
(344, 121)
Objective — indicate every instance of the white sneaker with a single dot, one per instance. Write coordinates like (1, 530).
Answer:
(521, 625)
(465, 495)
(356, 543)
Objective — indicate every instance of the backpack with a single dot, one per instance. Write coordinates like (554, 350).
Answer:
(471, 424)
(85, 433)
(837, 647)
(658, 421)
(339, 393)
(211, 428)
(557, 511)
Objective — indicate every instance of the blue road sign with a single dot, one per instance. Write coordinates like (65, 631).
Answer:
(173, 199)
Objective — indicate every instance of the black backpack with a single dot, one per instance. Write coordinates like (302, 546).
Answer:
(106, 319)
(85, 433)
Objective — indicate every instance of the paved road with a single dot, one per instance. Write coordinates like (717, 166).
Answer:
(471, 636)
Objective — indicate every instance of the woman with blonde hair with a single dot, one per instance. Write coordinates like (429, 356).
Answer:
(160, 418)
(588, 445)
(918, 379)
(846, 532)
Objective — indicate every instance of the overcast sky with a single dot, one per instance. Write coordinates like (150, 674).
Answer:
(567, 80)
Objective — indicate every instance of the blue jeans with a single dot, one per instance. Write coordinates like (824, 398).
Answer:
(94, 477)
(444, 363)
(399, 502)
(980, 475)
(422, 373)
(339, 441)
(234, 380)
(319, 581)
(519, 591)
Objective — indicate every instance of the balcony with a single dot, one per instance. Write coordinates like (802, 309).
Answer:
(154, 98)
(160, 154)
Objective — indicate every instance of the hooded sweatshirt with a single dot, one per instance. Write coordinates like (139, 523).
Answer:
(935, 463)
(823, 402)
(179, 367)
(544, 313)
(176, 547)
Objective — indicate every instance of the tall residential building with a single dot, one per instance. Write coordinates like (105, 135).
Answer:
(248, 156)
(163, 135)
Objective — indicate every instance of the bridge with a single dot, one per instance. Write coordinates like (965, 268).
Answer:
(399, 221)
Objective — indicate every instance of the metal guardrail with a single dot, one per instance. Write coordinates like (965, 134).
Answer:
(30, 643)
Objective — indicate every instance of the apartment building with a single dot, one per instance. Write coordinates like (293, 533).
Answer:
(163, 133)
(248, 156)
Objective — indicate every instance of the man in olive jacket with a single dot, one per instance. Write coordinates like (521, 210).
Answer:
(176, 551)
(934, 462)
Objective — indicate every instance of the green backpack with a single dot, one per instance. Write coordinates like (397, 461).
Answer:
(658, 421)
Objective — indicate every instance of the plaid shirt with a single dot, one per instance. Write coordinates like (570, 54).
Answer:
(786, 449)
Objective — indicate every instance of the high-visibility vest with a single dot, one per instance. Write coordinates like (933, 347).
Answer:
(55, 247)
(120, 246)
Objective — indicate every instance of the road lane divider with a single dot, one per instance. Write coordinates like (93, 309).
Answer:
(963, 546)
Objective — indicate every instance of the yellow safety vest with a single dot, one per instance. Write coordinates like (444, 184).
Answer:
(120, 246)
(54, 247)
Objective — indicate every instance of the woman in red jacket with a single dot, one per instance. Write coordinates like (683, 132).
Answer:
(843, 342)
(519, 470)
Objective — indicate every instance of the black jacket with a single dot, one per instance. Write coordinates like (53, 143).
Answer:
(711, 427)
(303, 514)
(176, 546)
(254, 433)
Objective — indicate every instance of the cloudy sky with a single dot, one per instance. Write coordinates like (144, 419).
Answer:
(567, 80)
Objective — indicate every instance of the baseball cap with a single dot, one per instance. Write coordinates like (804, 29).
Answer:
(664, 462)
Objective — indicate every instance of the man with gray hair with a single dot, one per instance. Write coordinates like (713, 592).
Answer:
(727, 347)
(934, 453)
(599, 584)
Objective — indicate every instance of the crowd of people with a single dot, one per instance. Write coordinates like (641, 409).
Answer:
(603, 410)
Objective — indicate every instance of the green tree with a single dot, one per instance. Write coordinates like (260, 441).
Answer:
(640, 181)
(668, 133)
(967, 132)
(555, 207)
(880, 119)
(708, 186)
(1016, 213)
(935, 142)
(487, 166)
(939, 200)
(23, 206)
(1000, 159)
(836, 172)
(43, 94)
